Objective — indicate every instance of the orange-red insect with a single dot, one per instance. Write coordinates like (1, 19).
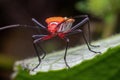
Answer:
(61, 27)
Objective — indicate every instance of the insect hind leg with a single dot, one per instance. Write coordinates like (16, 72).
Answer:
(84, 37)
(84, 21)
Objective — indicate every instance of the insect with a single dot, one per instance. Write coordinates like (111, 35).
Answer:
(61, 27)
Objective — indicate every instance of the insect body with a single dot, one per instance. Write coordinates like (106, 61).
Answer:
(58, 26)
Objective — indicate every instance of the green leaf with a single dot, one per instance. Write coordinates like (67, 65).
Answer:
(102, 67)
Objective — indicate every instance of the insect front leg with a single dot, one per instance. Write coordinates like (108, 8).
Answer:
(37, 53)
(36, 39)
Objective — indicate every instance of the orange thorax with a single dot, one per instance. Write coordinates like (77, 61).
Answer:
(53, 22)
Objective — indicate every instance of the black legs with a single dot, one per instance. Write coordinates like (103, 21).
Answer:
(38, 55)
(67, 41)
(36, 39)
(85, 39)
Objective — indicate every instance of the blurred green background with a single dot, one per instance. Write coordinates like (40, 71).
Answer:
(16, 44)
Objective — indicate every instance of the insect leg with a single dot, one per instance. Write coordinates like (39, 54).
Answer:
(44, 53)
(39, 59)
(35, 44)
(40, 36)
(81, 16)
(89, 35)
(84, 37)
(87, 42)
(67, 42)
(36, 39)
(85, 20)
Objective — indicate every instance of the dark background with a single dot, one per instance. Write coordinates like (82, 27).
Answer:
(16, 43)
